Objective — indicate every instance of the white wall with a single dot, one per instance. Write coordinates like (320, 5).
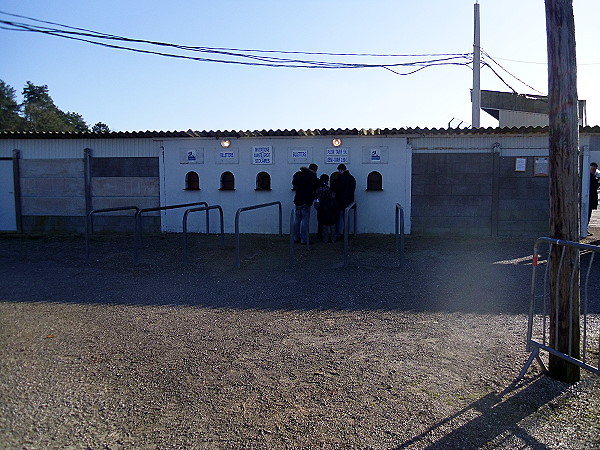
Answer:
(376, 210)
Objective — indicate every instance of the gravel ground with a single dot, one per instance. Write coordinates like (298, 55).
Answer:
(424, 354)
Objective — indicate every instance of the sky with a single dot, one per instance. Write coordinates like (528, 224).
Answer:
(136, 92)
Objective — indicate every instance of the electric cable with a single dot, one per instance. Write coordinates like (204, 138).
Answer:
(252, 57)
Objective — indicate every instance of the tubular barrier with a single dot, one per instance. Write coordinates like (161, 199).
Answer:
(89, 224)
(346, 232)
(400, 231)
(237, 226)
(346, 228)
(204, 208)
(137, 237)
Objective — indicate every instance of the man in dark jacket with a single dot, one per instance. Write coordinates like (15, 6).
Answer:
(305, 182)
(344, 188)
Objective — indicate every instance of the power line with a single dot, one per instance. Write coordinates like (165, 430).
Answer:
(487, 56)
(233, 49)
(542, 63)
(252, 57)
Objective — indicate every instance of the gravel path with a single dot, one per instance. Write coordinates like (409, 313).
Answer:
(425, 354)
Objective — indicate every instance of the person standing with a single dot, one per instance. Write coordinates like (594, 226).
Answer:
(344, 188)
(327, 210)
(593, 198)
(305, 182)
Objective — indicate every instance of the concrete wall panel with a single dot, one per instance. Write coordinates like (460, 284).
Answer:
(48, 206)
(129, 187)
(117, 202)
(48, 168)
(52, 187)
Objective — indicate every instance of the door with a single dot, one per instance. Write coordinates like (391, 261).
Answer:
(8, 216)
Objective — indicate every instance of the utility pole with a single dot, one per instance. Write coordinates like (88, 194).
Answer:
(476, 92)
(564, 180)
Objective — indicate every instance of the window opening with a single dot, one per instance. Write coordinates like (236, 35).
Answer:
(263, 181)
(192, 181)
(227, 182)
(374, 181)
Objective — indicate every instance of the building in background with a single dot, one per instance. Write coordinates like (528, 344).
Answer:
(468, 182)
(520, 110)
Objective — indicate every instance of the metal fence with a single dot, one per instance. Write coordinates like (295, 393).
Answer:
(538, 328)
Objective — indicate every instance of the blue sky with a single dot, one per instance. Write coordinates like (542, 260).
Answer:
(134, 92)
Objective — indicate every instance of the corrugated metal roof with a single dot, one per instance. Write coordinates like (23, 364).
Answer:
(285, 133)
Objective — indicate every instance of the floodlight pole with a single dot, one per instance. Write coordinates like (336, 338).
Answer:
(476, 92)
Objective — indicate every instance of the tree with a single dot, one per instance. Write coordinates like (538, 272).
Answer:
(75, 121)
(38, 112)
(10, 120)
(100, 127)
(564, 187)
(42, 114)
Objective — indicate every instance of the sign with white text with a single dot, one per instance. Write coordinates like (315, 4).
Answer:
(262, 155)
(227, 156)
(300, 155)
(337, 156)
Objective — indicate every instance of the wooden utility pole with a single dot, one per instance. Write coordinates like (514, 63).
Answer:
(564, 178)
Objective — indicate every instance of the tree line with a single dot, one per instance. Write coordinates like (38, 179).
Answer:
(38, 113)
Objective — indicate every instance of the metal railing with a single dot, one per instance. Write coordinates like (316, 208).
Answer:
(541, 325)
(89, 224)
(400, 231)
(237, 226)
(346, 228)
(138, 223)
(346, 232)
(185, 218)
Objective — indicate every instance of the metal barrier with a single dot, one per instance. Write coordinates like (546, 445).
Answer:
(400, 231)
(541, 325)
(204, 208)
(89, 224)
(346, 227)
(346, 232)
(237, 226)
(137, 237)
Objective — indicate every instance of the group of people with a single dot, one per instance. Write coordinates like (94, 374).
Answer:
(330, 198)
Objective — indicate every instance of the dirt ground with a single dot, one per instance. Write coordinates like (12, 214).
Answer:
(422, 353)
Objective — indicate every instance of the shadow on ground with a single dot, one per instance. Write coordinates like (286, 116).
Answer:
(436, 274)
(496, 418)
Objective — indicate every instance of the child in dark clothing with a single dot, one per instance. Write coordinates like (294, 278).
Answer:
(327, 212)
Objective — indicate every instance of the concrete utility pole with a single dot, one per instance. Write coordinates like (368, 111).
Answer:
(564, 179)
(476, 92)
